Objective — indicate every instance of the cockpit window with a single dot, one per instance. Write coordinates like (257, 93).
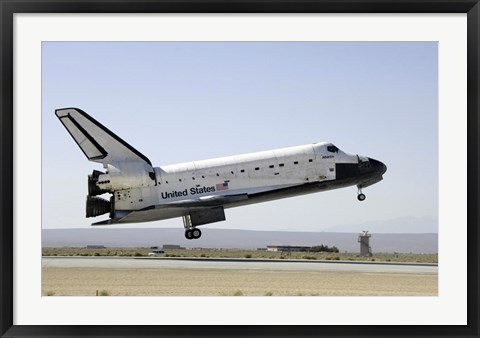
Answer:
(332, 149)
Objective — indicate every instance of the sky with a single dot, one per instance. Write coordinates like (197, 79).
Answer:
(184, 101)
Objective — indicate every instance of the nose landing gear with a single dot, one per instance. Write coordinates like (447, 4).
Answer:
(361, 197)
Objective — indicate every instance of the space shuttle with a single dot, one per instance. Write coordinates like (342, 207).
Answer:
(200, 191)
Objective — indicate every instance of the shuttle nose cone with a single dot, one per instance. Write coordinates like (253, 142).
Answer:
(378, 166)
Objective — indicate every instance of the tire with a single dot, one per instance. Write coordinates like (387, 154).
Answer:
(361, 197)
(188, 234)
(196, 233)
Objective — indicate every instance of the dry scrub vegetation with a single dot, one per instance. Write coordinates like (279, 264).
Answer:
(247, 254)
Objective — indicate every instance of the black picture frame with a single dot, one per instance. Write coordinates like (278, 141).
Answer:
(9, 7)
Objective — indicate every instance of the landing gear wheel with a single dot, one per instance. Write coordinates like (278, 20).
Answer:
(193, 233)
(361, 197)
(196, 233)
(188, 234)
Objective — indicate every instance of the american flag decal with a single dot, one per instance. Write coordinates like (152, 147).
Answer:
(221, 186)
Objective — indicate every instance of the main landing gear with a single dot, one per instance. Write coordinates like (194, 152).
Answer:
(193, 233)
(361, 197)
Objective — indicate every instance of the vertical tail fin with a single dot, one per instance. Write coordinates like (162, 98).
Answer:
(96, 141)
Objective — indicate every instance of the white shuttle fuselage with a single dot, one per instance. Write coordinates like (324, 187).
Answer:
(199, 191)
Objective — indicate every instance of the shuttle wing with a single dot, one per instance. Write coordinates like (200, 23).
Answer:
(176, 209)
(96, 141)
(205, 201)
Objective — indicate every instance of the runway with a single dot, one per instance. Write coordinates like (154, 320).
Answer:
(167, 276)
(236, 264)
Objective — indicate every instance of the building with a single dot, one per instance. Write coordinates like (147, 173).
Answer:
(172, 247)
(365, 248)
(288, 248)
(95, 246)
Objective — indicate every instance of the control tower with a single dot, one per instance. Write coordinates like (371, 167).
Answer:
(364, 240)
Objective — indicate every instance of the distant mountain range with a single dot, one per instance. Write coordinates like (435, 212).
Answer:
(230, 238)
(413, 225)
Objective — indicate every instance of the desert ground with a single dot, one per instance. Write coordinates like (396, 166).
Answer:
(217, 282)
